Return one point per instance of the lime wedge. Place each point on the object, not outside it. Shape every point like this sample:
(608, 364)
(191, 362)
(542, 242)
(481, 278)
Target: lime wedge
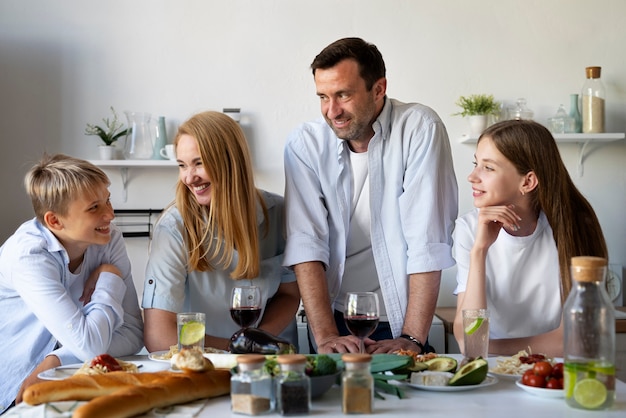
(471, 328)
(191, 333)
(590, 393)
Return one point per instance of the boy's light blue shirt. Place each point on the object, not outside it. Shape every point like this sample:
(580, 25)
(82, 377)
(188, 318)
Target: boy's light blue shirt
(40, 310)
(413, 200)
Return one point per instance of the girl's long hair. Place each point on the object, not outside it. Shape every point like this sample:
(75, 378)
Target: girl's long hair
(229, 223)
(575, 226)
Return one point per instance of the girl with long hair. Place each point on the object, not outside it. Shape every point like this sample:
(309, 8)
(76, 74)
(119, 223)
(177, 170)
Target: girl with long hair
(513, 250)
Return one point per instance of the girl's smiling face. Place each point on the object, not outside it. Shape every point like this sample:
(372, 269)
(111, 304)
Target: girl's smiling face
(495, 180)
(192, 172)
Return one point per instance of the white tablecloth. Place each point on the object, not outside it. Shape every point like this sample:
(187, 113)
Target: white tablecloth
(504, 399)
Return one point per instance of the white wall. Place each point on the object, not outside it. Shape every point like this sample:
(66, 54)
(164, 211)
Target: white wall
(63, 63)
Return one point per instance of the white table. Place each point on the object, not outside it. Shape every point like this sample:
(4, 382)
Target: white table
(504, 399)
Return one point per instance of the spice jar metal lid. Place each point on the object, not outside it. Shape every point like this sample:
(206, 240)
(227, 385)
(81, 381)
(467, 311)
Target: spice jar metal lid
(593, 72)
(588, 269)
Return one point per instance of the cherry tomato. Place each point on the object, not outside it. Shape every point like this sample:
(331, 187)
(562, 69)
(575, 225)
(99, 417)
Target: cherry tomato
(537, 381)
(526, 376)
(542, 368)
(554, 383)
(557, 370)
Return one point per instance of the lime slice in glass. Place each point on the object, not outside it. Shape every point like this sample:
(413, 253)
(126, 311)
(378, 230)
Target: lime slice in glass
(191, 333)
(471, 328)
(590, 393)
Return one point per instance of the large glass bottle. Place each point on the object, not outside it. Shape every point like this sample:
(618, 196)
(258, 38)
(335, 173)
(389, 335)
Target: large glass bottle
(589, 337)
(592, 99)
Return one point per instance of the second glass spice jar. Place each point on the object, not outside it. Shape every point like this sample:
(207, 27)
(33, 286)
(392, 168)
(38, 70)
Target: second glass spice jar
(293, 386)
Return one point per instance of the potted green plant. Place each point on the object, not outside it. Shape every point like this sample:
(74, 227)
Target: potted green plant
(112, 131)
(477, 107)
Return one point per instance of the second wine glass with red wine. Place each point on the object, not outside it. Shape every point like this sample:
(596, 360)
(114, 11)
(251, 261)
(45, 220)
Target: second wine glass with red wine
(361, 315)
(245, 305)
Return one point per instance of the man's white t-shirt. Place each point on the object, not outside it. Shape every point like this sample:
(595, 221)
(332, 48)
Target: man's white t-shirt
(360, 272)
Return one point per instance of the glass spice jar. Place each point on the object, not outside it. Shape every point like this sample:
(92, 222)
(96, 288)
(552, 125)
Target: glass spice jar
(357, 384)
(293, 386)
(251, 389)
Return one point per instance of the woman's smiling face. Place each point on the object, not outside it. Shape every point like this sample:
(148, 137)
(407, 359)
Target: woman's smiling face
(495, 180)
(192, 172)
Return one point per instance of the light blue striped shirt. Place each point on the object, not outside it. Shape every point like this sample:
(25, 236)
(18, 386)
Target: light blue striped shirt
(413, 199)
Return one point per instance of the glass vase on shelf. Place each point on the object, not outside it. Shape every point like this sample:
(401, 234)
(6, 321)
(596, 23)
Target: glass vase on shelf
(139, 143)
(575, 113)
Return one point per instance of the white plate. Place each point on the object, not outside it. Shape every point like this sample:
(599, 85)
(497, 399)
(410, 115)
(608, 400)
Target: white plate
(154, 356)
(489, 380)
(544, 393)
(506, 376)
(63, 372)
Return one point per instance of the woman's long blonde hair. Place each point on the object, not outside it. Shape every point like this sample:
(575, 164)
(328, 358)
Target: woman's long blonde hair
(575, 226)
(229, 223)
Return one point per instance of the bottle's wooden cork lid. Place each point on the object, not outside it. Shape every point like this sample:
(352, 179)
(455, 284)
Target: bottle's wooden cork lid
(588, 269)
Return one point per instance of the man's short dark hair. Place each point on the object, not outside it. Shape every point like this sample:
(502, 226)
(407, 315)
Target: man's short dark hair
(367, 56)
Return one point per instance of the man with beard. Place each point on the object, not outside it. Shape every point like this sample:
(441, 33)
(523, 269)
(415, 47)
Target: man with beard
(371, 200)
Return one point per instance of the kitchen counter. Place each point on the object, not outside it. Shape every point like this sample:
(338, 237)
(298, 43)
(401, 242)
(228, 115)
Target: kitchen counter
(503, 398)
(446, 314)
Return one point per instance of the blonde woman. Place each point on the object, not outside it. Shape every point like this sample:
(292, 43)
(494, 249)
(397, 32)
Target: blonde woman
(220, 231)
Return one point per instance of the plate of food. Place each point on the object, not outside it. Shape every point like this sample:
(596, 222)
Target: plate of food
(166, 355)
(512, 368)
(543, 392)
(489, 381)
(99, 365)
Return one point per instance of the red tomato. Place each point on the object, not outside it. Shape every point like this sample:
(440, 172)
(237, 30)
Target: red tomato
(542, 368)
(537, 381)
(554, 384)
(526, 376)
(105, 360)
(557, 371)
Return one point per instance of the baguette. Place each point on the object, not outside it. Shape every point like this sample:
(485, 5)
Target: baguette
(86, 387)
(175, 389)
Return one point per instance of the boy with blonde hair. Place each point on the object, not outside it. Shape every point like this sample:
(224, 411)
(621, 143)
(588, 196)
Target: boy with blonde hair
(66, 290)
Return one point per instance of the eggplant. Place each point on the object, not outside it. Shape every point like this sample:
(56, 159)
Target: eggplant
(255, 340)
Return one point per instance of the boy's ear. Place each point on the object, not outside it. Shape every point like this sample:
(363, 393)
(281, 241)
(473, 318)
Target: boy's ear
(52, 221)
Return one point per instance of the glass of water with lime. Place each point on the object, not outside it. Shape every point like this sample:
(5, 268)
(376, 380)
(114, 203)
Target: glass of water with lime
(476, 333)
(191, 330)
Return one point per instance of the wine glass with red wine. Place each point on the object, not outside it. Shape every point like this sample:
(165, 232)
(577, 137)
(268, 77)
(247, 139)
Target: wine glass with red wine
(361, 315)
(245, 305)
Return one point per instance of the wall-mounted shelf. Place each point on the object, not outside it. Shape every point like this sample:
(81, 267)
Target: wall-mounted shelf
(575, 138)
(583, 140)
(134, 163)
(124, 165)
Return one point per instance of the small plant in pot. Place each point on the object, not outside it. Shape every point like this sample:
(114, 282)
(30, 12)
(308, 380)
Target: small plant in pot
(112, 131)
(477, 107)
